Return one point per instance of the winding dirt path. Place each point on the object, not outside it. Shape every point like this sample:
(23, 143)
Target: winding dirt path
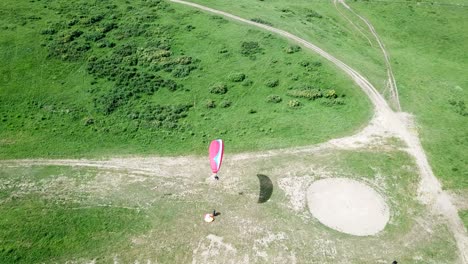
(385, 123)
(391, 77)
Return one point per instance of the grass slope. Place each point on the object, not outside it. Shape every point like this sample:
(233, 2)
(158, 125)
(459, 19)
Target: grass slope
(82, 79)
(427, 49)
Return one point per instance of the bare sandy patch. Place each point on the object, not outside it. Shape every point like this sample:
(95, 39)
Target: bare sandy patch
(348, 206)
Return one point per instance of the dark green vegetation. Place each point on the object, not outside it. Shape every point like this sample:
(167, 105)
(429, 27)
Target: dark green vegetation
(427, 47)
(100, 78)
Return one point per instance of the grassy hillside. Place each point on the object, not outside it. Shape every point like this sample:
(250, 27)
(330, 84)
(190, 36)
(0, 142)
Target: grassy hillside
(427, 48)
(107, 78)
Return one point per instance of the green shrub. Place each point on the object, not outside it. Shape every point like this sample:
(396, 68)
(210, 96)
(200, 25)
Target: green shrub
(261, 21)
(210, 103)
(236, 77)
(71, 35)
(182, 71)
(218, 88)
(49, 31)
(331, 94)
(292, 49)
(274, 99)
(94, 36)
(249, 48)
(272, 83)
(311, 94)
(294, 103)
(312, 14)
(225, 104)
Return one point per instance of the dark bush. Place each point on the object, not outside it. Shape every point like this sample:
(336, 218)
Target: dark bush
(311, 94)
(210, 103)
(49, 31)
(108, 27)
(94, 36)
(225, 104)
(181, 71)
(71, 35)
(274, 99)
(218, 88)
(261, 21)
(93, 19)
(292, 49)
(312, 14)
(249, 48)
(304, 63)
(236, 77)
(272, 83)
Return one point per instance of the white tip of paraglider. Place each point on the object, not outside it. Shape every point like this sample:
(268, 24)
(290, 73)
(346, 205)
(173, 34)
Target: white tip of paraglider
(209, 218)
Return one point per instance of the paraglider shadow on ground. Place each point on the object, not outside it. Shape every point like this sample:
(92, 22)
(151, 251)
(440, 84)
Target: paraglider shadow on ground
(266, 188)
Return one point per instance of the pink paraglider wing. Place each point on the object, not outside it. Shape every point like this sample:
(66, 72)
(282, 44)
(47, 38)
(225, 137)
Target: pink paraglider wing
(216, 154)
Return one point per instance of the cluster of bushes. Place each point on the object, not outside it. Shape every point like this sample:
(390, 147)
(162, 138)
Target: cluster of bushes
(328, 97)
(310, 66)
(274, 99)
(210, 103)
(132, 30)
(459, 107)
(160, 116)
(292, 49)
(311, 14)
(158, 57)
(272, 83)
(218, 88)
(313, 94)
(236, 77)
(250, 48)
(70, 40)
(68, 51)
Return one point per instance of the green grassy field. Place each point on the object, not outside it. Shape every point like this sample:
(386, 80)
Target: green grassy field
(114, 78)
(102, 79)
(426, 45)
(84, 214)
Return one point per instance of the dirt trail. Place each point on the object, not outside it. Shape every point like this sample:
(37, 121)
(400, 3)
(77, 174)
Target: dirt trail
(391, 78)
(385, 123)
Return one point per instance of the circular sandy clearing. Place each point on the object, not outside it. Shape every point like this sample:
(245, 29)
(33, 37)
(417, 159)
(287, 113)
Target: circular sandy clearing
(348, 206)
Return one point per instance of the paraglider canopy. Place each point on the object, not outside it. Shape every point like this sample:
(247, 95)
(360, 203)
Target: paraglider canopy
(216, 154)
